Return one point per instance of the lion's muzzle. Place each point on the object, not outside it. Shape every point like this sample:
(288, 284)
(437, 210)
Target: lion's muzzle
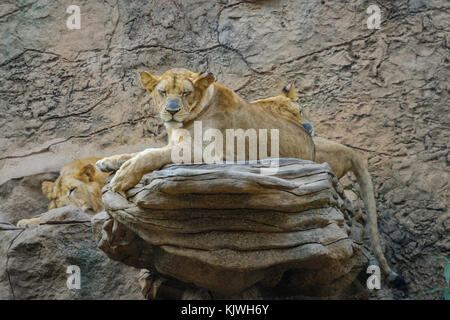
(173, 107)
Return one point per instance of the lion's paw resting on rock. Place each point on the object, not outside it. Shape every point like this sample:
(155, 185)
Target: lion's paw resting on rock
(28, 223)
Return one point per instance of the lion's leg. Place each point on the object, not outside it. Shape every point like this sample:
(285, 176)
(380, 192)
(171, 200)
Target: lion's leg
(113, 163)
(28, 223)
(131, 172)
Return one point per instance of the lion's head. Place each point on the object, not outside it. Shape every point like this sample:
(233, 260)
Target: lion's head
(81, 188)
(177, 94)
(284, 104)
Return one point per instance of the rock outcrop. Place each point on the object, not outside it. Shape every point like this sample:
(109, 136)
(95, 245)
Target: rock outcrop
(22, 198)
(34, 261)
(227, 229)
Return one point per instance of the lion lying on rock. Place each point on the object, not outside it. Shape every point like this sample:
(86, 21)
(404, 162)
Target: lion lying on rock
(79, 184)
(182, 96)
(342, 159)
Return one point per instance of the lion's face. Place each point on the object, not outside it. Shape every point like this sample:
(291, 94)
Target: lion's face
(177, 94)
(80, 189)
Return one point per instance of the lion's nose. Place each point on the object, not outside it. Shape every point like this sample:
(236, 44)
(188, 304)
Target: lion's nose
(172, 107)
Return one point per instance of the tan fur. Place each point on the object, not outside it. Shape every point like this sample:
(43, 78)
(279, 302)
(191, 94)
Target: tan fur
(283, 104)
(79, 184)
(341, 159)
(201, 99)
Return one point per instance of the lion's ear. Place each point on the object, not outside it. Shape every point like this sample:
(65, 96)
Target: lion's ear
(289, 91)
(204, 80)
(47, 189)
(148, 81)
(87, 173)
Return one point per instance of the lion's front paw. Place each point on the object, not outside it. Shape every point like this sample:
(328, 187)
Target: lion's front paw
(28, 223)
(109, 164)
(127, 176)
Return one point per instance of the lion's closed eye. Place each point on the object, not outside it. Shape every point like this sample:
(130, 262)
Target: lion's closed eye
(72, 190)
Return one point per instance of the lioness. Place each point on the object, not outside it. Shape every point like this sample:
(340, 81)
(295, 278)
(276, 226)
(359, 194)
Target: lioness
(79, 183)
(341, 159)
(183, 96)
(284, 104)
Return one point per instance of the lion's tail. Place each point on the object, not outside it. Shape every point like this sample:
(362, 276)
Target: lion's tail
(367, 194)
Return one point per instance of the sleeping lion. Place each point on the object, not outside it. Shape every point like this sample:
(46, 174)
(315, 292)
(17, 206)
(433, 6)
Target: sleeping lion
(79, 183)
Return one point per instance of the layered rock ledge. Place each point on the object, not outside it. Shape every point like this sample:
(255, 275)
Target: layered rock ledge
(227, 230)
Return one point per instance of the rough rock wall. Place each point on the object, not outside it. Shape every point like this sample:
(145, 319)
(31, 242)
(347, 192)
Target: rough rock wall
(21, 198)
(34, 261)
(67, 94)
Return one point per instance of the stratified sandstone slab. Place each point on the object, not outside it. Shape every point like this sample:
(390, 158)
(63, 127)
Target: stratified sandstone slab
(226, 228)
